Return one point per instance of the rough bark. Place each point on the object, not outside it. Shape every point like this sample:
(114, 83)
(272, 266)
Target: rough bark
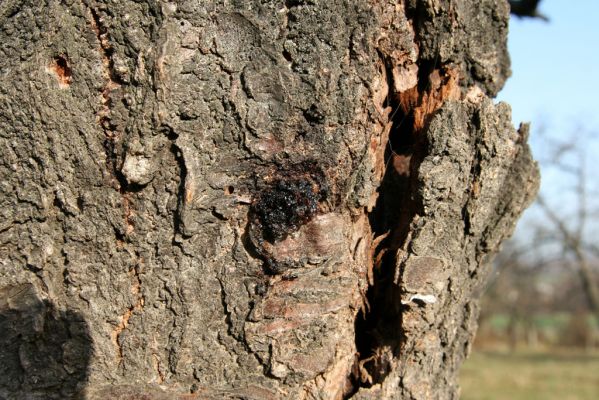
(250, 199)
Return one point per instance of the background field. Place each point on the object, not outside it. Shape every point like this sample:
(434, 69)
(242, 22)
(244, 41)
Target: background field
(564, 374)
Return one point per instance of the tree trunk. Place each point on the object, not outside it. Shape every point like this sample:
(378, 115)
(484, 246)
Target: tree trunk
(250, 199)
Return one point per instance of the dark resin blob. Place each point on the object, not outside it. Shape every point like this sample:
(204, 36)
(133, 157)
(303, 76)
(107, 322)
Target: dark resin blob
(285, 206)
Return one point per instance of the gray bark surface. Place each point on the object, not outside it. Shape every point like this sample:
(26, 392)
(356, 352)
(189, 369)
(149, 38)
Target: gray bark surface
(250, 199)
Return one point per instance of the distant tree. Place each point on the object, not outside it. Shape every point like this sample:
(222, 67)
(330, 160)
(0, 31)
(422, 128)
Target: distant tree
(569, 222)
(558, 240)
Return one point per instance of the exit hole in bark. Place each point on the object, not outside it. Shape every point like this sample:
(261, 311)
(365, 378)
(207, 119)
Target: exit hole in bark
(61, 67)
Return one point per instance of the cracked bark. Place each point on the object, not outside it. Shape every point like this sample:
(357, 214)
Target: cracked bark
(250, 199)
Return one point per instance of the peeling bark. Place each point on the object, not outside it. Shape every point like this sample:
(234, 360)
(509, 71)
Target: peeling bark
(252, 199)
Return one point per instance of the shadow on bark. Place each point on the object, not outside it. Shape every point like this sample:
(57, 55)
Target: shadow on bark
(44, 352)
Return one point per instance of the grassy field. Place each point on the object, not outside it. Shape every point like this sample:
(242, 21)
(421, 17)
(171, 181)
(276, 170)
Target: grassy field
(531, 375)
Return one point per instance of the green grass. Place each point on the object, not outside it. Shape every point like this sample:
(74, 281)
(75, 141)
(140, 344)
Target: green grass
(553, 321)
(531, 375)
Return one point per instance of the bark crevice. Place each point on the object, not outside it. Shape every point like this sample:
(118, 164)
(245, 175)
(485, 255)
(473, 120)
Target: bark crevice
(112, 83)
(378, 331)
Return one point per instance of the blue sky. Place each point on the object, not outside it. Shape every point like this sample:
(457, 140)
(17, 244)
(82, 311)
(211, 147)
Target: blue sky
(554, 85)
(554, 65)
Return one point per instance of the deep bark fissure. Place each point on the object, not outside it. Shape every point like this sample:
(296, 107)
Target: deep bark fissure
(136, 291)
(111, 137)
(378, 331)
(112, 83)
(177, 218)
